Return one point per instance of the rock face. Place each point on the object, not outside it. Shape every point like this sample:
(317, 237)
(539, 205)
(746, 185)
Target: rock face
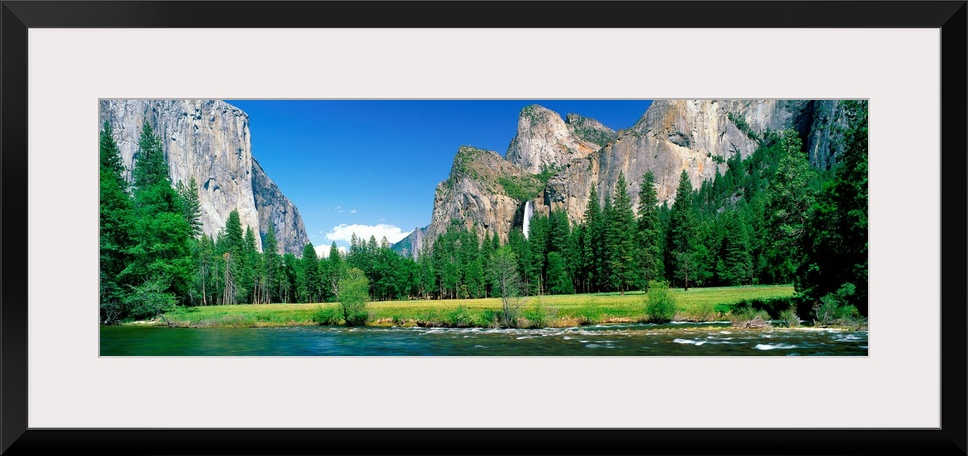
(486, 193)
(544, 140)
(410, 245)
(697, 136)
(275, 208)
(476, 194)
(210, 141)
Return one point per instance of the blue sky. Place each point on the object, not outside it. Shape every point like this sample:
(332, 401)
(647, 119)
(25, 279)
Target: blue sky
(371, 166)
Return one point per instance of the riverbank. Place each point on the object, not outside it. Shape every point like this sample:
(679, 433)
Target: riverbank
(695, 305)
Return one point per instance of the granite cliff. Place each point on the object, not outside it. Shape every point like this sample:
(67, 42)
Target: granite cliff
(554, 162)
(210, 141)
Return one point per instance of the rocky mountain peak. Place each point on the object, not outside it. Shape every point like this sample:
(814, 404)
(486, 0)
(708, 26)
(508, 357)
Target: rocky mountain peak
(544, 140)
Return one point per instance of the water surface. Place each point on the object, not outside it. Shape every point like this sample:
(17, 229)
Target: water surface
(686, 339)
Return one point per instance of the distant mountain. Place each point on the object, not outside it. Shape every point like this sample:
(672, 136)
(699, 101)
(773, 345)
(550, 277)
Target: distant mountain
(406, 245)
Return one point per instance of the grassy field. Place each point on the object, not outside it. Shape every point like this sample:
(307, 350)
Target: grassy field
(697, 304)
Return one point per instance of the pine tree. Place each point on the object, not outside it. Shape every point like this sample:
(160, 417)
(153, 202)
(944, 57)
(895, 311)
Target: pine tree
(791, 196)
(115, 227)
(288, 278)
(603, 252)
(207, 270)
(649, 232)
(233, 233)
(191, 208)
(162, 251)
(150, 166)
(734, 257)
(835, 241)
(308, 275)
(252, 282)
(487, 254)
(558, 281)
(473, 268)
(591, 247)
(336, 271)
(534, 260)
(621, 239)
(231, 250)
(683, 254)
(270, 264)
(575, 261)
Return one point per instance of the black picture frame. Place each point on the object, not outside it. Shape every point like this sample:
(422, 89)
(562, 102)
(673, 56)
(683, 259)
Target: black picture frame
(17, 17)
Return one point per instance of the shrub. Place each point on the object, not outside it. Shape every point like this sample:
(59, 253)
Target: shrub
(490, 318)
(724, 309)
(150, 300)
(536, 316)
(328, 316)
(772, 306)
(748, 317)
(834, 309)
(704, 312)
(790, 317)
(354, 291)
(430, 319)
(460, 317)
(660, 303)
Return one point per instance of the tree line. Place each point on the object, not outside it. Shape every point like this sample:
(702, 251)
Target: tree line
(770, 218)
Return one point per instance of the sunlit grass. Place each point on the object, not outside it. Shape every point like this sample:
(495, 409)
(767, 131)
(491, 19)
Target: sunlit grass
(554, 310)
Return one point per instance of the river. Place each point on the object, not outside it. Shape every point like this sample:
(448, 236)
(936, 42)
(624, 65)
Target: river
(685, 339)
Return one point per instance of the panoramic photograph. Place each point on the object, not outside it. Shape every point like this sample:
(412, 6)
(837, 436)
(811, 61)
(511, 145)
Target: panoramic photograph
(557, 227)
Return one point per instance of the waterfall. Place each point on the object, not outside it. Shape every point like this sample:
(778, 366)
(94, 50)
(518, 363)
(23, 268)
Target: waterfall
(528, 213)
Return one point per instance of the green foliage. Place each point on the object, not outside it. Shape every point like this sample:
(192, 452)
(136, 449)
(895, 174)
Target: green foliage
(557, 276)
(537, 316)
(521, 188)
(271, 263)
(150, 299)
(790, 317)
(622, 249)
(115, 228)
(748, 317)
(161, 236)
(191, 207)
(308, 276)
(734, 266)
(685, 253)
(460, 317)
(742, 126)
(835, 239)
(328, 315)
(354, 291)
(151, 168)
(660, 303)
(547, 171)
(791, 194)
(835, 309)
(507, 285)
(649, 233)
(772, 306)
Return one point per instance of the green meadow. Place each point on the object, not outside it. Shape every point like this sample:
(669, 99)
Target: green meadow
(697, 304)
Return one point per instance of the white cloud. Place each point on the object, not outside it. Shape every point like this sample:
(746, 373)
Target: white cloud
(352, 211)
(322, 251)
(345, 232)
